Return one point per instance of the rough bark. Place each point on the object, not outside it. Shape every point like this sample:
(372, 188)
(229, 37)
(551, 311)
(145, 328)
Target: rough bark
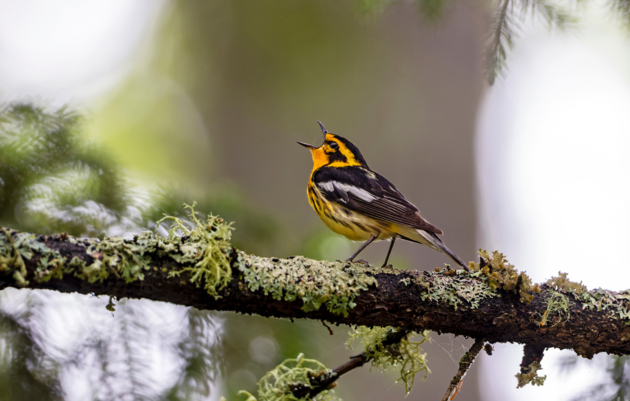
(392, 303)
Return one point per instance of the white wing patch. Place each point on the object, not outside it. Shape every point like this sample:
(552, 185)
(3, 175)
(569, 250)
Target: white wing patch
(360, 193)
(328, 185)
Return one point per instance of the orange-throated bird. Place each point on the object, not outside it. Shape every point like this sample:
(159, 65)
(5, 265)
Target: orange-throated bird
(362, 205)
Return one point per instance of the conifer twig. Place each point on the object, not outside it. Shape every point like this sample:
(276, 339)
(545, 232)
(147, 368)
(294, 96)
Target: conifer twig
(464, 365)
(496, 50)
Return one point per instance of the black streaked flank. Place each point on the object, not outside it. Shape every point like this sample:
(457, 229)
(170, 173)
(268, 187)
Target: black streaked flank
(389, 204)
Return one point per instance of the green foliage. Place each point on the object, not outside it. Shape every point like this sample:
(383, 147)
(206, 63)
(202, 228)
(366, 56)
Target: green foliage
(53, 180)
(316, 283)
(199, 349)
(27, 372)
(432, 10)
(506, 19)
(375, 7)
(507, 16)
(405, 356)
(278, 383)
(50, 180)
(531, 376)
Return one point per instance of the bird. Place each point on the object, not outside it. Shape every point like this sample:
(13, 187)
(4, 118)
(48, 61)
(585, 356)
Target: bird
(355, 201)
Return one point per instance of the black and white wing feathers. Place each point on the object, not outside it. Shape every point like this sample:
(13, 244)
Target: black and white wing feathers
(370, 194)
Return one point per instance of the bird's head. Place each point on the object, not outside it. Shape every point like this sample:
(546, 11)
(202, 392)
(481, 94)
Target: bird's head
(336, 151)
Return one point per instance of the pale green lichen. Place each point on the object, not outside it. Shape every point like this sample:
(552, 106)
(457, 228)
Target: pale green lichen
(207, 245)
(531, 376)
(203, 249)
(461, 288)
(456, 287)
(562, 283)
(405, 356)
(13, 250)
(498, 273)
(617, 304)
(11, 259)
(278, 384)
(558, 309)
(125, 258)
(406, 281)
(316, 283)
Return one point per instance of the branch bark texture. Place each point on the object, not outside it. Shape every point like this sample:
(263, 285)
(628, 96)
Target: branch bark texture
(406, 300)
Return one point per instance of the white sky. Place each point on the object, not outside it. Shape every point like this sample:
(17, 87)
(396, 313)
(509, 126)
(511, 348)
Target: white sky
(552, 147)
(70, 50)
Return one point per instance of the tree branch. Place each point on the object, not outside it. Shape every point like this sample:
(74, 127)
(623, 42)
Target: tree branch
(327, 381)
(464, 365)
(408, 300)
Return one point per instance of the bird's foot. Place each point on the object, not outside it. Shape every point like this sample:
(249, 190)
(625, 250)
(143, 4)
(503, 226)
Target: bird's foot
(363, 262)
(389, 266)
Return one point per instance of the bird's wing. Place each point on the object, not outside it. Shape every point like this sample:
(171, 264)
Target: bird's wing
(368, 193)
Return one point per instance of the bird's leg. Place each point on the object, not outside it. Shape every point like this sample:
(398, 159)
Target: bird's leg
(391, 246)
(368, 242)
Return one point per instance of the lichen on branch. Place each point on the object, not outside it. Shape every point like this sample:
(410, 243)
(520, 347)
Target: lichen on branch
(280, 383)
(558, 309)
(316, 283)
(494, 301)
(502, 275)
(11, 252)
(530, 376)
(404, 356)
(203, 250)
(205, 246)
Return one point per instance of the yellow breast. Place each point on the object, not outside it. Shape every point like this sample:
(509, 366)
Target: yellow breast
(354, 226)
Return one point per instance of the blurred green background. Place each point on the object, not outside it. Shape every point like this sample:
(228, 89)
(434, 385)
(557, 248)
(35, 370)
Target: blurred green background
(208, 107)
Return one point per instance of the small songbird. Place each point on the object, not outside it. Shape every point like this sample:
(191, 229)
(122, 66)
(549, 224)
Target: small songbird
(362, 205)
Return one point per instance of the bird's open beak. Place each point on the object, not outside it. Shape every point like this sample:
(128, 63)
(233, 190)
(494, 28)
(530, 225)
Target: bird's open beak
(324, 132)
(306, 145)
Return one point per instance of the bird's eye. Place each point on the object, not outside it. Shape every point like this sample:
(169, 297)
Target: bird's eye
(333, 145)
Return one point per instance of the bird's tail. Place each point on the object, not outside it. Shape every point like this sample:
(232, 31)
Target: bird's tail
(444, 249)
(433, 241)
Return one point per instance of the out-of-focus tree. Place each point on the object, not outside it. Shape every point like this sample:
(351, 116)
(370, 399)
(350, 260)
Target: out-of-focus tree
(52, 181)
